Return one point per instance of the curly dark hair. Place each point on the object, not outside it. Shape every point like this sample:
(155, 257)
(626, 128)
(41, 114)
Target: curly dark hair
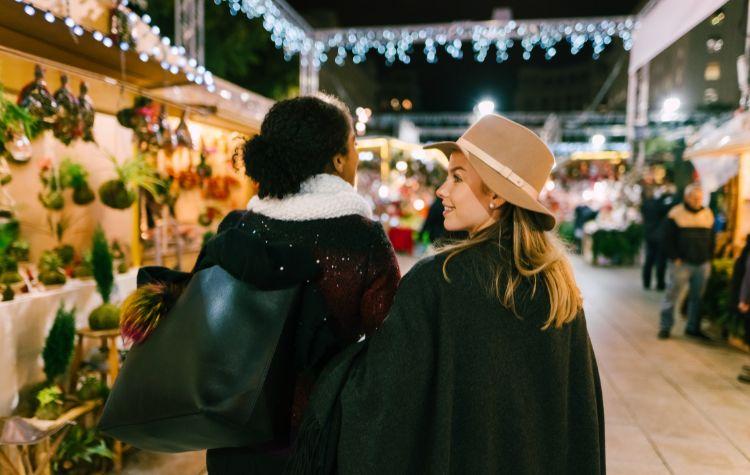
(298, 139)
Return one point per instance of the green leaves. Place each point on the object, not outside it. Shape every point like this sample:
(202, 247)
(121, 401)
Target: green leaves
(58, 348)
(101, 261)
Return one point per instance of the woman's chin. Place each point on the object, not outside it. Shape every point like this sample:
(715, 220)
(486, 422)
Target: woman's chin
(452, 227)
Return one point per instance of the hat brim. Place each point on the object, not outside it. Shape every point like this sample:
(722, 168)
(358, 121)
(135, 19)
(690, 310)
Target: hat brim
(500, 185)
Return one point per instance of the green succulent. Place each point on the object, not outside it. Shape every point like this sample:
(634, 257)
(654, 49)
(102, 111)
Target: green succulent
(10, 277)
(66, 253)
(50, 403)
(52, 200)
(105, 317)
(8, 294)
(52, 277)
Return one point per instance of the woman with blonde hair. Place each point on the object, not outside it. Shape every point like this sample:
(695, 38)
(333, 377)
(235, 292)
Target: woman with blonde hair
(484, 363)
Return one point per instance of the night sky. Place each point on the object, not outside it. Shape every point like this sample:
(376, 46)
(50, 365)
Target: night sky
(455, 85)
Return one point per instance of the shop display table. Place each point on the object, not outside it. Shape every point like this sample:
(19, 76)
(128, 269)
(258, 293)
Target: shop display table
(25, 321)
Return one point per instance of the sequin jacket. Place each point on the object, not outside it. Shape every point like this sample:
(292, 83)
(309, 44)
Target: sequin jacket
(358, 278)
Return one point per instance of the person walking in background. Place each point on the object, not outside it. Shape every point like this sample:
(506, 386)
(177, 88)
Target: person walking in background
(739, 301)
(689, 246)
(653, 210)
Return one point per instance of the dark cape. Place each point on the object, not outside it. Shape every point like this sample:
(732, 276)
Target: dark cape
(454, 382)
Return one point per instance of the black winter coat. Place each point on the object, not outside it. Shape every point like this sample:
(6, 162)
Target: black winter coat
(455, 383)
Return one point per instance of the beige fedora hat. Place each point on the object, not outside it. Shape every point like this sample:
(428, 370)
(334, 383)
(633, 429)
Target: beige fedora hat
(511, 159)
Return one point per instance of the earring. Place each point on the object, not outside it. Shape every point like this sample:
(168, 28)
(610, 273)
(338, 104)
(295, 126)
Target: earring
(492, 205)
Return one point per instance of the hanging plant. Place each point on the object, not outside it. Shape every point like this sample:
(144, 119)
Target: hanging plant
(36, 98)
(58, 347)
(143, 118)
(74, 175)
(67, 126)
(86, 113)
(182, 133)
(168, 137)
(17, 128)
(132, 174)
(51, 195)
(107, 315)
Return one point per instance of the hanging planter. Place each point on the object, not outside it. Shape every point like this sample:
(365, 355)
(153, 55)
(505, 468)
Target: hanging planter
(143, 118)
(17, 128)
(36, 98)
(74, 175)
(67, 126)
(182, 134)
(134, 173)
(86, 114)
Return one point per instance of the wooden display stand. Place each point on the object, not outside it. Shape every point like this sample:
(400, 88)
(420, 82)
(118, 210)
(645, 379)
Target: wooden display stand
(17, 458)
(108, 340)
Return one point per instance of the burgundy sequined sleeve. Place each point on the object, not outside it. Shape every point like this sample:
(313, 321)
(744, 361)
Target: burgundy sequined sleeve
(381, 280)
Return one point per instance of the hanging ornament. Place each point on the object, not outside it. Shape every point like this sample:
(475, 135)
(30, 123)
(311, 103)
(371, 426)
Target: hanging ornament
(120, 30)
(86, 114)
(182, 132)
(37, 99)
(168, 138)
(68, 125)
(203, 169)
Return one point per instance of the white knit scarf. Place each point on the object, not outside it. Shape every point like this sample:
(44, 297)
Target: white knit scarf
(320, 197)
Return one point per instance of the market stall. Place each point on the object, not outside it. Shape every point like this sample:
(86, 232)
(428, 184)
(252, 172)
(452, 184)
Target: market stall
(117, 151)
(400, 180)
(596, 206)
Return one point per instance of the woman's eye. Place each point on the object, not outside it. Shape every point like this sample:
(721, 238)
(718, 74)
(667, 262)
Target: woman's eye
(456, 179)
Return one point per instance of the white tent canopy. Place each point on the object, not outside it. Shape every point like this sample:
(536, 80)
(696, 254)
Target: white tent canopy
(664, 23)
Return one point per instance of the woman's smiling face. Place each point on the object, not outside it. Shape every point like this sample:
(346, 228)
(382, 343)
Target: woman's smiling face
(469, 204)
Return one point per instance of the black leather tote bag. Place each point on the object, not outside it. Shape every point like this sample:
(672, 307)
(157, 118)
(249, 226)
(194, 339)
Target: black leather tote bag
(196, 381)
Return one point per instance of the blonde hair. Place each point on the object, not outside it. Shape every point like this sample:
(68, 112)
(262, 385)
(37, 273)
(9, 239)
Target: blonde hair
(537, 256)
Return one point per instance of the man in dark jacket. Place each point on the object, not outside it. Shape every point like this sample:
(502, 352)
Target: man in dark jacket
(654, 211)
(689, 246)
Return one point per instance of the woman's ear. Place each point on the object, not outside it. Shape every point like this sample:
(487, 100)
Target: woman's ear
(339, 161)
(497, 201)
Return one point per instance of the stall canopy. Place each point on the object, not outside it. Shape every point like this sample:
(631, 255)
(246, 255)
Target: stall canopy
(664, 22)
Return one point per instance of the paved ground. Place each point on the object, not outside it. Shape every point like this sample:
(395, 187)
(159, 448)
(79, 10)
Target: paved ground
(672, 407)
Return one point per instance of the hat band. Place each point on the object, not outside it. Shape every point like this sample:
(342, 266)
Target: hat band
(508, 173)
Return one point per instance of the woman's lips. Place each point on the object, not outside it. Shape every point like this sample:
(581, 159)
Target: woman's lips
(448, 209)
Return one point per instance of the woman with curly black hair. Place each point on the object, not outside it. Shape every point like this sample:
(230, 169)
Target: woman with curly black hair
(304, 161)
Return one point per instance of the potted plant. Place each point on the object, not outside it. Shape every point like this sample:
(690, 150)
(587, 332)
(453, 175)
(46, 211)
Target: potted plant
(134, 173)
(58, 347)
(50, 269)
(51, 404)
(107, 315)
(82, 451)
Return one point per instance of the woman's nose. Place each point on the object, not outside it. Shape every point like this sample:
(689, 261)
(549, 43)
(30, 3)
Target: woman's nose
(441, 192)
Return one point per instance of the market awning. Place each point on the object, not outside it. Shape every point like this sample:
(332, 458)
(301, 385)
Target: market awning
(55, 41)
(730, 138)
(663, 24)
